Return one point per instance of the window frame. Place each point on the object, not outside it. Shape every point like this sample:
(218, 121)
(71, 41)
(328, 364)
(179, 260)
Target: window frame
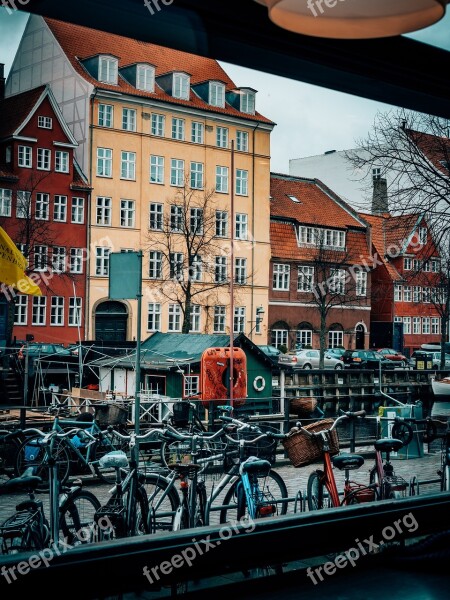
(156, 216)
(62, 161)
(281, 277)
(5, 202)
(57, 311)
(128, 165)
(127, 208)
(105, 116)
(153, 316)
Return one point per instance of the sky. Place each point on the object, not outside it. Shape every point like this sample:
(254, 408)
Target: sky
(310, 120)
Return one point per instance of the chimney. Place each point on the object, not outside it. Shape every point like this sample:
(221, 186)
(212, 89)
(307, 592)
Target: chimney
(2, 81)
(380, 202)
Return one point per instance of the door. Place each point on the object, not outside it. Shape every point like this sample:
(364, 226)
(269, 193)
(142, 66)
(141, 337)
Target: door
(111, 322)
(360, 337)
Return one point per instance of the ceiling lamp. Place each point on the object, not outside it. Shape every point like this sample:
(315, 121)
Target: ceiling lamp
(354, 19)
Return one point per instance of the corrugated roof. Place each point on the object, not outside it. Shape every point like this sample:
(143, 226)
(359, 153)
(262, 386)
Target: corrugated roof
(181, 346)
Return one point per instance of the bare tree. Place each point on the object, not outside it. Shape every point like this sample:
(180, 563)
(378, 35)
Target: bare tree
(195, 260)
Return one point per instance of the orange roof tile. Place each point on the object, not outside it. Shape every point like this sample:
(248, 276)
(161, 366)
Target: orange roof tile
(80, 43)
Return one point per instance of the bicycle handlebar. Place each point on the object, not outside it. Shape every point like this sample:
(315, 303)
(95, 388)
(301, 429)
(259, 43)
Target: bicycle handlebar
(344, 415)
(52, 434)
(170, 431)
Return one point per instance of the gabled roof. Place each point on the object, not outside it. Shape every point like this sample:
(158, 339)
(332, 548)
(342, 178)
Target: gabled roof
(436, 149)
(16, 111)
(79, 43)
(318, 205)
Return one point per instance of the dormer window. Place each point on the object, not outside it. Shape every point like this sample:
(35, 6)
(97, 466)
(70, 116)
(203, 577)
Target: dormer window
(248, 101)
(180, 87)
(145, 78)
(107, 69)
(216, 94)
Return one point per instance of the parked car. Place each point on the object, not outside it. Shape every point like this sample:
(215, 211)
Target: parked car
(393, 355)
(435, 358)
(336, 352)
(366, 359)
(309, 359)
(271, 352)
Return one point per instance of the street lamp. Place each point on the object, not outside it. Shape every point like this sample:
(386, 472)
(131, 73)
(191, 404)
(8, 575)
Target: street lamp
(259, 317)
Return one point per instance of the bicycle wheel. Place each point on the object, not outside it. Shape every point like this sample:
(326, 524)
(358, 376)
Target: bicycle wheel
(374, 479)
(402, 431)
(138, 522)
(32, 453)
(271, 487)
(8, 452)
(163, 501)
(77, 517)
(317, 494)
(445, 479)
(414, 486)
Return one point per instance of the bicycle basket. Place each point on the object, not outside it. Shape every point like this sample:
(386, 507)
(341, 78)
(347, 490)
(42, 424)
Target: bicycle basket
(303, 450)
(182, 414)
(13, 530)
(265, 448)
(110, 414)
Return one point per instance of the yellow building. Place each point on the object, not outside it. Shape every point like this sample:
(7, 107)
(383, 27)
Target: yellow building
(170, 144)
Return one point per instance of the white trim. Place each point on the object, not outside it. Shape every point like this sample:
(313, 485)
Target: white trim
(363, 324)
(63, 145)
(23, 138)
(307, 305)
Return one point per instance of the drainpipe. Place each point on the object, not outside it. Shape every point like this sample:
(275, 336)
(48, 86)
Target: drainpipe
(252, 300)
(89, 236)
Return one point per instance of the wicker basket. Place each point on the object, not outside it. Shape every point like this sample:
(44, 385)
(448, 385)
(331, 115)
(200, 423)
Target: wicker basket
(304, 450)
(110, 414)
(305, 405)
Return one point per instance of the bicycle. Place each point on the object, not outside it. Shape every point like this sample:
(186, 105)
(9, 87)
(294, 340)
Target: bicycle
(9, 446)
(386, 483)
(72, 509)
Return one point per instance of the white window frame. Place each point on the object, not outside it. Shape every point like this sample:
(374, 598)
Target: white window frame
(108, 69)
(279, 337)
(222, 137)
(127, 213)
(176, 218)
(174, 322)
(220, 269)
(25, 157)
(103, 211)
(128, 165)
(407, 293)
(281, 279)
(57, 311)
(104, 162)
(39, 311)
(76, 260)
(145, 78)
(44, 159)
(61, 161)
(196, 220)
(196, 315)
(305, 279)
(248, 102)
(423, 235)
(59, 258)
(407, 325)
(337, 281)
(157, 169)
(407, 264)
(21, 310)
(155, 264)
(240, 270)
(40, 257)
(77, 210)
(178, 129)
(216, 94)
(435, 326)
(45, 122)
(241, 226)
(180, 86)
(197, 174)
(221, 223)
(158, 125)
(197, 132)
(176, 265)
(177, 172)
(361, 283)
(191, 385)
(426, 325)
(335, 338)
(398, 292)
(220, 319)
(60, 209)
(156, 220)
(241, 182)
(23, 206)
(105, 115)
(42, 207)
(239, 319)
(5, 202)
(222, 178)
(304, 337)
(242, 141)
(416, 323)
(75, 311)
(154, 316)
(128, 119)
(102, 261)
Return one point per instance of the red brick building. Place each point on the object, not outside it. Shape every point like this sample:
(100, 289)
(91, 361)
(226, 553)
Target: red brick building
(44, 200)
(320, 253)
(406, 268)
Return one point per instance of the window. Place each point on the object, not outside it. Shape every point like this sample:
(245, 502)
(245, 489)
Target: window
(197, 132)
(43, 159)
(241, 182)
(22, 248)
(176, 218)
(129, 119)
(174, 318)
(8, 154)
(40, 258)
(25, 157)
(191, 385)
(376, 173)
(220, 315)
(21, 310)
(417, 294)
(177, 172)
(105, 115)
(154, 317)
(435, 326)
(427, 266)
(242, 141)
(248, 102)
(407, 293)
(222, 137)
(426, 294)
(158, 122)
(23, 208)
(78, 210)
(435, 265)
(196, 269)
(60, 208)
(304, 338)
(157, 169)
(398, 320)
(407, 325)
(195, 318)
(177, 129)
(45, 122)
(222, 180)
(220, 271)
(423, 235)
(281, 277)
(417, 264)
(76, 260)
(196, 221)
(416, 325)
(155, 265)
(216, 94)
(361, 283)
(145, 78)
(335, 339)
(5, 202)
(426, 325)
(57, 311)
(240, 270)
(59, 259)
(103, 211)
(337, 282)
(327, 238)
(221, 223)
(239, 319)
(181, 86)
(305, 279)
(75, 312)
(61, 161)
(197, 175)
(42, 207)
(127, 213)
(397, 292)
(102, 261)
(39, 310)
(176, 260)
(407, 264)
(279, 337)
(104, 162)
(156, 216)
(128, 165)
(241, 226)
(107, 69)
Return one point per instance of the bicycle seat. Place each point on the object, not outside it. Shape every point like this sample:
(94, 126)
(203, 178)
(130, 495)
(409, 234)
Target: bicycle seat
(27, 481)
(116, 459)
(184, 468)
(388, 445)
(256, 466)
(348, 461)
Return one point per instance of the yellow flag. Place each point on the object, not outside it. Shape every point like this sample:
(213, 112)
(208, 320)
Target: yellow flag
(12, 267)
